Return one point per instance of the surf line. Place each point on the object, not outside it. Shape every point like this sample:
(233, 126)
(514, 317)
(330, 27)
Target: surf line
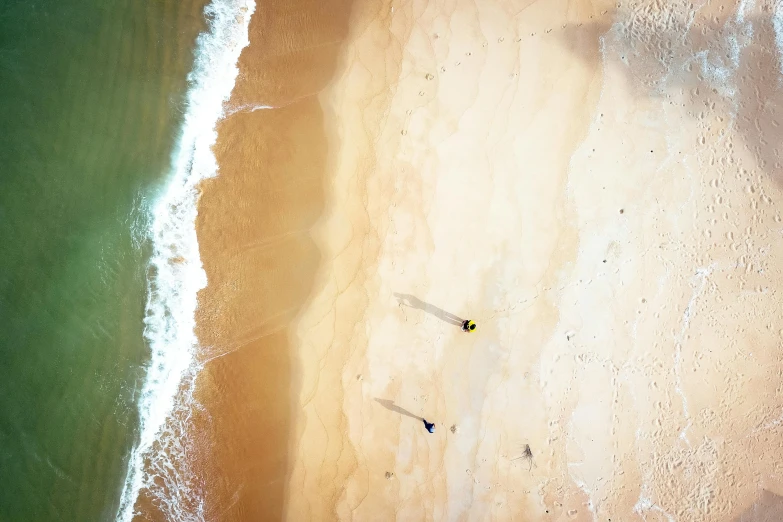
(175, 270)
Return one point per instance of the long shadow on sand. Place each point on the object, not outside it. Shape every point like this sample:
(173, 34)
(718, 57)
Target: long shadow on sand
(389, 405)
(414, 302)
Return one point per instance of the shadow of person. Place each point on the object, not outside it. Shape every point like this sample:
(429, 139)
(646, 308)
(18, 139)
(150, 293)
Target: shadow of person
(768, 507)
(414, 302)
(389, 405)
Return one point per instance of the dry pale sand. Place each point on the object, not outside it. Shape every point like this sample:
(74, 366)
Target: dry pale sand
(596, 184)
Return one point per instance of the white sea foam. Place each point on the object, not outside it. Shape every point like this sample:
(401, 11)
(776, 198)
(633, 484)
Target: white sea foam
(176, 274)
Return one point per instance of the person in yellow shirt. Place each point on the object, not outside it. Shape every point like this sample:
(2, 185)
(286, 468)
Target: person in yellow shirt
(468, 326)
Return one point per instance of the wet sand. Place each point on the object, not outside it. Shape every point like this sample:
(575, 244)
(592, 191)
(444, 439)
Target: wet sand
(253, 228)
(566, 174)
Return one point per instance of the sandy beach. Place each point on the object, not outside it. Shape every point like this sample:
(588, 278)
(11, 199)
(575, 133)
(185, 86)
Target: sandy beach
(596, 184)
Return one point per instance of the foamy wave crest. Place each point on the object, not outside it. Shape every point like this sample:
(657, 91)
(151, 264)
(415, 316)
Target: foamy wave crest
(176, 274)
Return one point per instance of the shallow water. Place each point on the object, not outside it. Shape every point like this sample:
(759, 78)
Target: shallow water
(91, 95)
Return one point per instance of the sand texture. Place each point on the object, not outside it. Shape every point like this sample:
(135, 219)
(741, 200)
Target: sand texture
(596, 184)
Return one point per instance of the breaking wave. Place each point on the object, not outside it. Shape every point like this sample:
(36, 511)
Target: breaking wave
(176, 275)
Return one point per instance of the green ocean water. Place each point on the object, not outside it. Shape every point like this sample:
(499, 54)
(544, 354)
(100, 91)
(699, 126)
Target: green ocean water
(91, 95)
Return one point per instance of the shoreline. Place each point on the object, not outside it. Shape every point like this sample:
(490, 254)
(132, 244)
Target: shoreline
(253, 226)
(508, 164)
(175, 275)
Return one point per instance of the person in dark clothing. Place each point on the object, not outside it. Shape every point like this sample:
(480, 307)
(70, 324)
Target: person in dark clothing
(468, 325)
(429, 425)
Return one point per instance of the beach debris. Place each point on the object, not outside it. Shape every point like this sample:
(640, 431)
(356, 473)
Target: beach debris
(389, 475)
(453, 428)
(570, 334)
(527, 454)
(429, 76)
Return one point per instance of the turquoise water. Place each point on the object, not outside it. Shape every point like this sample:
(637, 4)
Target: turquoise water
(91, 95)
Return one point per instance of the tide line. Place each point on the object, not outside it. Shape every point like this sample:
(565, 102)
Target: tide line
(176, 275)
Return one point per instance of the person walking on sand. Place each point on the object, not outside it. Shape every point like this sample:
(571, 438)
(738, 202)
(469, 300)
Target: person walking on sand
(468, 325)
(429, 425)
